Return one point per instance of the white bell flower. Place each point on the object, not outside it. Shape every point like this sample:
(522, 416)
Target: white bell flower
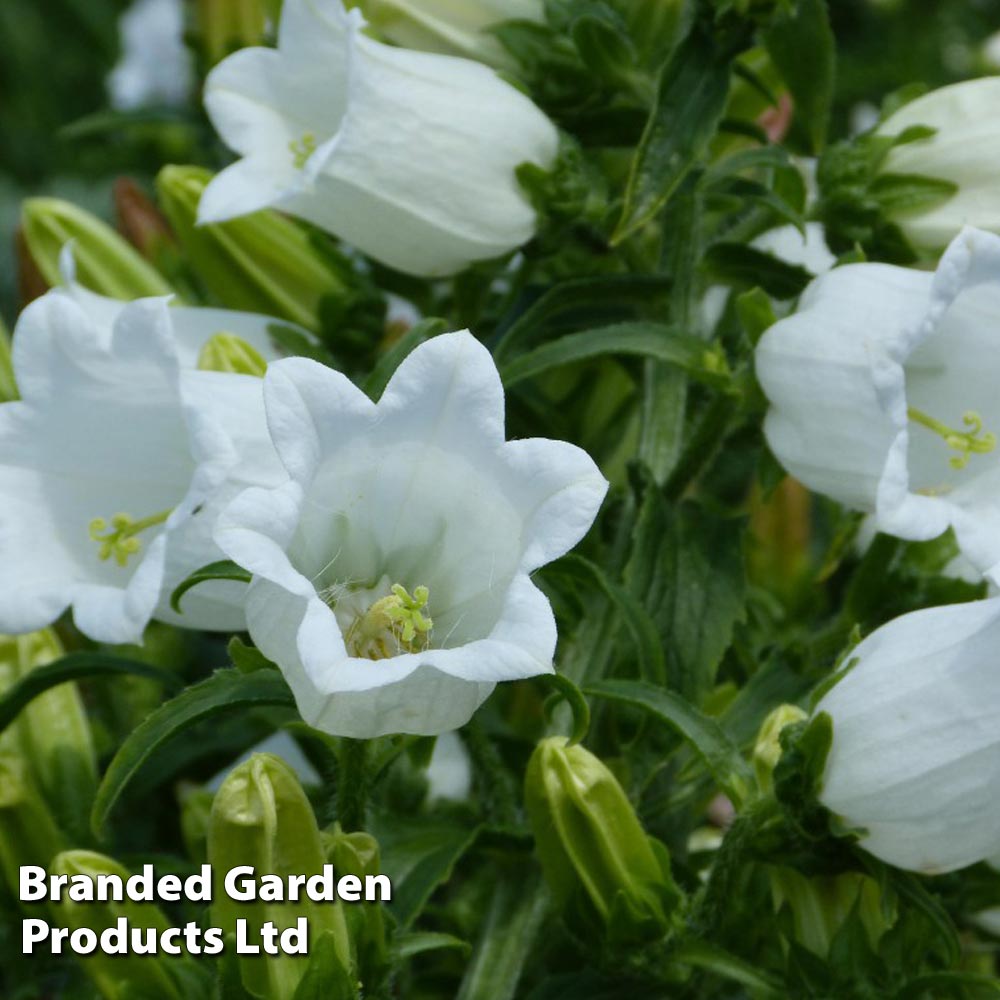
(232, 401)
(915, 759)
(964, 150)
(408, 156)
(451, 27)
(102, 463)
(883, 392)
(392, 571)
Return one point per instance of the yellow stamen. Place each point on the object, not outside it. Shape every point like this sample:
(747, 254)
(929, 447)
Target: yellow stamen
(964, 442)
(393, 624)
(302, 149)
(121, 542)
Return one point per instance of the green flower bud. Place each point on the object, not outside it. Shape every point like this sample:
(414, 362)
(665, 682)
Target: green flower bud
(28, 833)
(601, 866)
(105, 262)
(8, 387)
(223, 26)
(358, 854)
(261, 817)
(261, 263)
(52, 733)
(225, 352)
(767, 749)
(115, 976)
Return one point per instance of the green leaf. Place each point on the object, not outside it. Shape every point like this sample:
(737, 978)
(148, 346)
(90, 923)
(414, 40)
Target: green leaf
(801, 44)
(325, 977)
(739, 264)
(939, 984)
(651, 340)
(686, 569)
(755, 312)
(691, 97)
(224, 691)
(408, 945)
(580, 297)
(902, 193)
(246, 658)
(74, 667)
(648, 647)
(509, 932)
(705, 955)
(224, 569)
(375, 384)
(418, 857)
(719, 754)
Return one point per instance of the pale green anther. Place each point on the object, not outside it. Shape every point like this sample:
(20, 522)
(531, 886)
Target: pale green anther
(966, 443)
(394, 624)
(302, 149)
(225, 352)
(121, 542)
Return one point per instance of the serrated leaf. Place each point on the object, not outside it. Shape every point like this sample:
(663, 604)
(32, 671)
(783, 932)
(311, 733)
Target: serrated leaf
(223, 569)
(74, 667)
(648, 647)
(691, 96)
(719, 754)
(224, 691)
(651, 340)
(686, 569)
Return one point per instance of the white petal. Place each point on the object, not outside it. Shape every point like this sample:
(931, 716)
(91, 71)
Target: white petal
(916, 753)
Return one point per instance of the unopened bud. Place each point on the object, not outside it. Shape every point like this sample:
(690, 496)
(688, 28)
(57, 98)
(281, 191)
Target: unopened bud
(262, 818)
(118, 976)
(52, 733)
(767, 749)
(603, 869)
(105, 262)
(262, 263)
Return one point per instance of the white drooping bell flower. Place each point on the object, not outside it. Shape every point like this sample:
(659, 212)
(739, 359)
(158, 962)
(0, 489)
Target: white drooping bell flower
(102, 463)
(915, 759)
(964, 150)
(409, 156)
(221, 355)
(391, 573)
(450, 27)
(883, 392)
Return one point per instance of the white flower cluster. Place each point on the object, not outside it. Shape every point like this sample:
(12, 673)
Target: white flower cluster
(883, 391)
(392, 543)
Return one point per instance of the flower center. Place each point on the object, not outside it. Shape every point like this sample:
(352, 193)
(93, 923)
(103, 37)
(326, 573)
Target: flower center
(121, 542)
(302, 149)
(964, 442)
(392, 625)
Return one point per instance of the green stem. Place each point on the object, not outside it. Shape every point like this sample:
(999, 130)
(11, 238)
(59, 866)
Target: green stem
(703, 445)
(353, 784)
(496, 787)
